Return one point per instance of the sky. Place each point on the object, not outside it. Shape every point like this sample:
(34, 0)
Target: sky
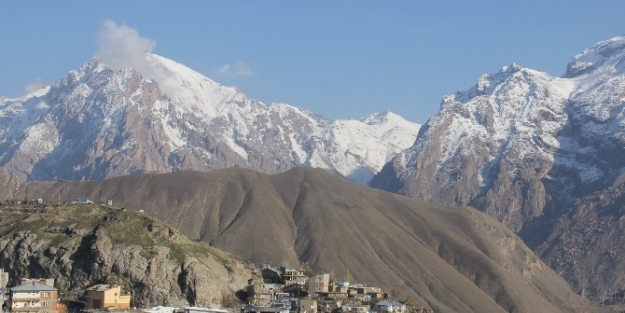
(340, 59)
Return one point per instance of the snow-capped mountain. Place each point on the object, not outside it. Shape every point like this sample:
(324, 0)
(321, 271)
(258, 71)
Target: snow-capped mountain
(99, 123)
(527, 148)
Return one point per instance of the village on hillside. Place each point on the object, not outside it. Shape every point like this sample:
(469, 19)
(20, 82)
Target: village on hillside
(281, 289)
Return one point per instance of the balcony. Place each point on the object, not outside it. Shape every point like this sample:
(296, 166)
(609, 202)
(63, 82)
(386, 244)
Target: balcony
(25, 298)
(25, 310)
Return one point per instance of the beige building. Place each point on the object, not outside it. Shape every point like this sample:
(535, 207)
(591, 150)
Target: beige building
(104, 296)
(319, 284)
(33, 297)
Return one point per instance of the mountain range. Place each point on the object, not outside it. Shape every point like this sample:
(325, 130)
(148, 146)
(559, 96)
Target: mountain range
(542, 154)
(98, 123)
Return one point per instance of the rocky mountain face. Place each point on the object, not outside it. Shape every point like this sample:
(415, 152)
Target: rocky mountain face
(81, 245)
(542, 154)
(98, 123)
(447, 258)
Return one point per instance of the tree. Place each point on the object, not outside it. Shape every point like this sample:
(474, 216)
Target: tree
(410, 301)
(394, 294)
(348, 276)
(308, 270)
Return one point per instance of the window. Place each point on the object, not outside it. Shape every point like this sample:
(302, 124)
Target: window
(45, 303)
(46, 294)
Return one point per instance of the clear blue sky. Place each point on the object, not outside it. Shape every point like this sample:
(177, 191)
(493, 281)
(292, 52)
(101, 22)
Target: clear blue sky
(341, 59)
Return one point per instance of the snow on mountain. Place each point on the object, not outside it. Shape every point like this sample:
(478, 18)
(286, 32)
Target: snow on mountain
(98, 123)
(358, 159)
(516, 112)
(526, 147)
(521, 124)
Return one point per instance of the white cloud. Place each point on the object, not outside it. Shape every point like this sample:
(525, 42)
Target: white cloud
(239, 69)
(120, 46)
(34, 86)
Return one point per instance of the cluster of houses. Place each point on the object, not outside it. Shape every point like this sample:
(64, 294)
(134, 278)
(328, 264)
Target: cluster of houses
(285, 289)
(40, 296)
(281, 290)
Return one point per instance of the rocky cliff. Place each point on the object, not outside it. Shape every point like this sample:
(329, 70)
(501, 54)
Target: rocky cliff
(81, 245)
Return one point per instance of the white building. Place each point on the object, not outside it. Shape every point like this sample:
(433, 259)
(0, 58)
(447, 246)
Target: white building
(192, 309)
(33, 297)
(264, 309)
(386, 306)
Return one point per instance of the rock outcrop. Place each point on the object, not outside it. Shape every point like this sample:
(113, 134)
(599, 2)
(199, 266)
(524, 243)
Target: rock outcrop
(81, 245)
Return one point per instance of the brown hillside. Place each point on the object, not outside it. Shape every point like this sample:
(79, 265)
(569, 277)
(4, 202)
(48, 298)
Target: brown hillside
(455, 260)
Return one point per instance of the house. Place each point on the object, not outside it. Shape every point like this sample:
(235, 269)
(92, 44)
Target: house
(264, 309)
(83, 199)
(339, 288)
(271, 288)
(360, 297)
(360, 289)
(308, 306)
(387, 306)
(329, 305)
(355, 308)
(291, 276)
(104, 296)
(33, 297)
(319, 284)
(192, 309)
(262, 293)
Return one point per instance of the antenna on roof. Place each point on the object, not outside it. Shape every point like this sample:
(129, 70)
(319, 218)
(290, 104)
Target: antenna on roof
(15, 184)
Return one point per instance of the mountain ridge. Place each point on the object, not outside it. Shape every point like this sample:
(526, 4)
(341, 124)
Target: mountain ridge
(453, 259)
(531, 150)
(99, 123)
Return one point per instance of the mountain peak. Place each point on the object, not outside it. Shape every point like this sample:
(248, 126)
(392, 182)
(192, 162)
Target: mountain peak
(537, 152)
(487, 84)
(159, 110)
(605, 55)
(376, 118)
